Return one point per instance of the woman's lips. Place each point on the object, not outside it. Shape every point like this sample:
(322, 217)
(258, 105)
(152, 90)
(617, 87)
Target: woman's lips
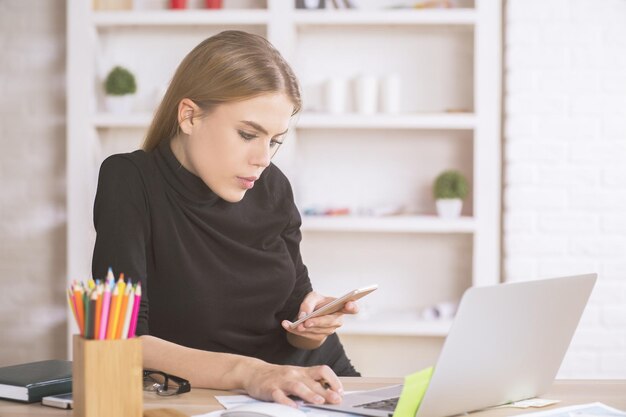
(246, 182)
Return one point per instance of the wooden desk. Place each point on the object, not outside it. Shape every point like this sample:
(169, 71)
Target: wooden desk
(198, 401)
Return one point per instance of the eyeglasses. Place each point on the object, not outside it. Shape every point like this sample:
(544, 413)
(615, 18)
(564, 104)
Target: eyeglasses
(164, 384)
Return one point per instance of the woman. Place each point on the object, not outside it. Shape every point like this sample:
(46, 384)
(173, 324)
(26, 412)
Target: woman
(209, 226)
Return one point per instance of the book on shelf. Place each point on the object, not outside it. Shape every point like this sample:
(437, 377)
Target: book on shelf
(29, 382)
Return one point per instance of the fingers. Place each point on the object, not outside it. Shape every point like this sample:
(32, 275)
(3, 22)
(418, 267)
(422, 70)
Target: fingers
(332, 321)
(310, 302)
(280, 397)
(320, 386)
(324, 373)
(316, 385)
(350, 307)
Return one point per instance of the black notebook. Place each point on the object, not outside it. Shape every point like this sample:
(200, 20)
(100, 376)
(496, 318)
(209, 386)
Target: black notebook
(29, 382)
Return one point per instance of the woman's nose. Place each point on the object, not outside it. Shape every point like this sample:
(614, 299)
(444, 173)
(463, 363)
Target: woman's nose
(262, 154)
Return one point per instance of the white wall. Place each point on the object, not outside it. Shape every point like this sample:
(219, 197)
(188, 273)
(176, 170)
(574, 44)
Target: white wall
(565, 162)
(32, 180)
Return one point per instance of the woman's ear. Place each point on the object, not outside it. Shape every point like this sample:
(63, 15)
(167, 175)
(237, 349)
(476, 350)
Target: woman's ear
(187, 110)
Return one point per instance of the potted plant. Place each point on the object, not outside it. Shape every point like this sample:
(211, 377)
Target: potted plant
(450, 188)
(120, 88)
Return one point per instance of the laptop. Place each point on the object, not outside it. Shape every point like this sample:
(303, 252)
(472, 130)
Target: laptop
(506, 344)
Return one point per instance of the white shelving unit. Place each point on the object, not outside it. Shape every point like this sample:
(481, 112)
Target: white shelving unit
(449, 63)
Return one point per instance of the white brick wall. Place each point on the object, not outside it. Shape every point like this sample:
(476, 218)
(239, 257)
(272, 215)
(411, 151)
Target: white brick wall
(564, 162)
(32, 180)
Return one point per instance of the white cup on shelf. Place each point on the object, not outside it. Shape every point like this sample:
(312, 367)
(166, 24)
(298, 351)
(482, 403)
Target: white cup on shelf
(336, 95)
(366, 94)
(390, 94)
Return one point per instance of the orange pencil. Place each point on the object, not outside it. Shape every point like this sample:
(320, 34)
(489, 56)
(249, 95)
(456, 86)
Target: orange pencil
(112, 312)
(98, 311)
(120, 287)
(80, 309)
(123, 308)
(70, 302)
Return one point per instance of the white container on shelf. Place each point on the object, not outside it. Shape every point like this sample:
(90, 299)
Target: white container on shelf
(390, 94)
(119, 104)
(336, 95)
(366, 94)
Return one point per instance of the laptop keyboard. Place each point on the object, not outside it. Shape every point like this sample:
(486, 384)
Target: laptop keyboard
(385, 405)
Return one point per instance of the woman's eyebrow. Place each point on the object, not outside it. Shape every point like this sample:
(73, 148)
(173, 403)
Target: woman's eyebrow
(259, 127)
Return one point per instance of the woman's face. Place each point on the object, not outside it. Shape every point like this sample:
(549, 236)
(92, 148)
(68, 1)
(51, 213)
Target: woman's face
(229, 147)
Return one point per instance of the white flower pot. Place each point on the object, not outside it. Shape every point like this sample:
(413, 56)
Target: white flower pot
(119, 104)
(449, 208)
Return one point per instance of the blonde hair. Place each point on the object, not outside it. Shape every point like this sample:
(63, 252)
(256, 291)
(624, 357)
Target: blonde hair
(230, 66)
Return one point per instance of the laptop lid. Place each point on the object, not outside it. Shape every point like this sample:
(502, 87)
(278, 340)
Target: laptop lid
(506, 344)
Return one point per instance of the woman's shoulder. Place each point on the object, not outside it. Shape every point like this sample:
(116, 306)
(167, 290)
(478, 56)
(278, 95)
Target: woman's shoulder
(132, 163)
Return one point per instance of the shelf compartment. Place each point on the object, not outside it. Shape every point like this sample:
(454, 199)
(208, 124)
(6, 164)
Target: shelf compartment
(180, 18)
(395, 325)
(388, 224)
(462, 121)
(385, 17)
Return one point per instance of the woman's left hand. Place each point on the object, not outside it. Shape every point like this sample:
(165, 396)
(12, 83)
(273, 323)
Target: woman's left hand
(317, 329)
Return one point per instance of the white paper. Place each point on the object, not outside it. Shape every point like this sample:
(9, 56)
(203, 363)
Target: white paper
(230, 401)
(583, 410)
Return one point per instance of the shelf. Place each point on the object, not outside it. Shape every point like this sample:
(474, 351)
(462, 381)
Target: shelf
(385, 17)
(402, 324)
(390, 224)
(462, 121)
(452, 121)
(180, 18)
(109, 120)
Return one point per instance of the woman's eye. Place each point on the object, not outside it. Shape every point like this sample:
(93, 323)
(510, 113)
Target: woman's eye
(246, 136)
(275, 143)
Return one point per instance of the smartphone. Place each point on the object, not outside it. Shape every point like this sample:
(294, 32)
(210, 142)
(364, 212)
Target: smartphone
(337, 304)
(59, 401)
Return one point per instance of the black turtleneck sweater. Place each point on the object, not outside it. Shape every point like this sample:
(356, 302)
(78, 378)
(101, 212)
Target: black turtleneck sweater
(215, 275)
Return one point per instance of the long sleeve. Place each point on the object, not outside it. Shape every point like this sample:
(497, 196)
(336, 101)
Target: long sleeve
(121, 220)
(293, 236)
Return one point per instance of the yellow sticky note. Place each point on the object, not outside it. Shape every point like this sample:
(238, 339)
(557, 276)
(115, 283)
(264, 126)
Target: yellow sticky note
(412, 393)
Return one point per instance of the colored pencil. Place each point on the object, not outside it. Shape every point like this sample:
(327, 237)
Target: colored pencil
(105, 309)
(70, 301)
(106, 302)
(88, 314)
(112, 312)
(91, 316)
(80, 310)
(133, 322)
(129, 312)
(99, 289)
(123, 308)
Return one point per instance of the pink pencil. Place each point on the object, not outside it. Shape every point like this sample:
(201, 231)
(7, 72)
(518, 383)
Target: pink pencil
(133, 320)
(104, 318)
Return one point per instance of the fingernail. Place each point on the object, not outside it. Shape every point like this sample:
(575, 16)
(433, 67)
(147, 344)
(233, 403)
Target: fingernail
(318, 400)
(335, 398)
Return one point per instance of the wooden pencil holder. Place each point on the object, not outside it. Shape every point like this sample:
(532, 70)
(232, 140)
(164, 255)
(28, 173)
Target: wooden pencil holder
(107, 378)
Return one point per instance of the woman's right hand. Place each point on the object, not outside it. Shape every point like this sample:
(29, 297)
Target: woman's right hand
(316, 384)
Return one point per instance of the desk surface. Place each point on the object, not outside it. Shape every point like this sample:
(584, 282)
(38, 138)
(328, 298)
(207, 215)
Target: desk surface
(198, 401)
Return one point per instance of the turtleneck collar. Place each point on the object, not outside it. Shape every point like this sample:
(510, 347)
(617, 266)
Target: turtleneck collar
(184, 182)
